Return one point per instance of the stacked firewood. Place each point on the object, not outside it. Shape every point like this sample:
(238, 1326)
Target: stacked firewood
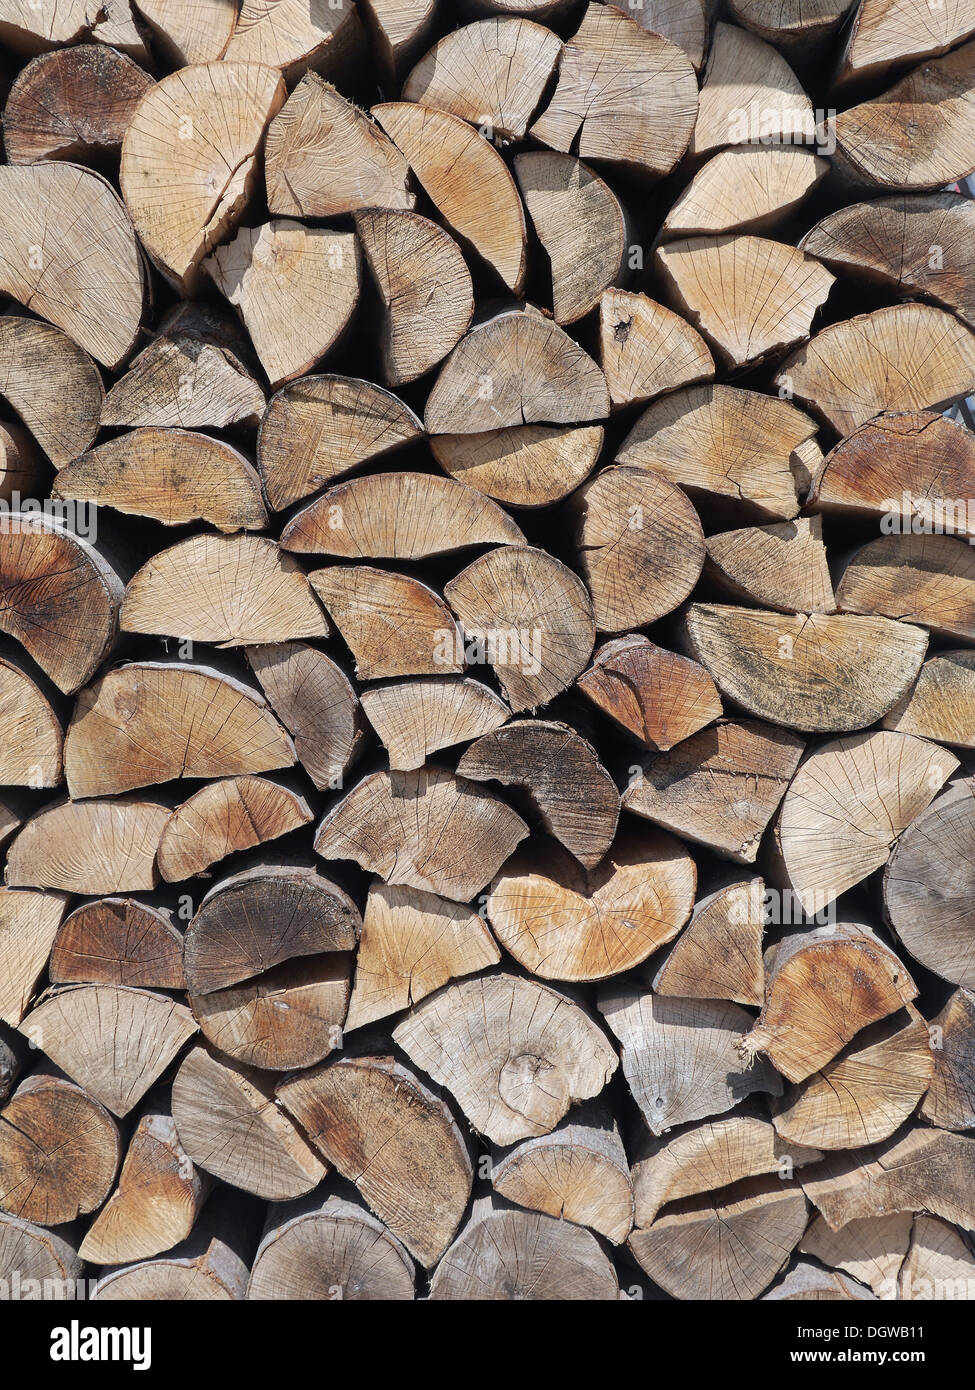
(488, 665)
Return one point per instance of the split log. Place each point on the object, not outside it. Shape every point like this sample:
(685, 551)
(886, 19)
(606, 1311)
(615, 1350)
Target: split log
(922, 1170)
(645, 349)
(720, 441)
(750, 297)
(749, 95)
(31, 751)
(33, 1260)
(915, 246)
(871, 1250)
(562, 923)
(516, 368)
(679, 1057)
(118, 941)
(826, 841)
(229, 1125)
(204, 1268)
(865, 1093)
(800, 1030)
(683, 22)
(189, 376)
(393, 624)
(224, 817)
(73, 103)
(793, 24)
(116, 27)
(293, 36)
(641, 546)
(262, 917)
(950, 1100)
(524, 465)
(424, 288)
(60, 597)
(40, 369)
(235, 591)
(198, 131)
(426, 829)
(34, 29)
(171, 475)
(578, 1173)
(89, 847)
(513, 1053)
(659, 697)
(149, 722)
(398, 516)
(581, 225)
(624, 94)
(395, 1139)
(781, 566)
(399, 30)
(939, 1264)
(529, 616)
(727, 1246)
(504, 1254)
(158, 1198)
(20, 463)
(416, 717)
(920, 134)
(329, 1250)
(29, 924)
(719, 788)
(746, 189)
(709, 1156)
(289, 1017)
(570, 790)
(467, 181)
(807, 1282)
(493, 74)
(314, 700)
(186, 34)
(718, 955)
(927, 886)
(412, 943)
(59, 1151)
(323, 426)
(823, 673)
(295, 288)
(921, 579)
(114, 1042)
(323, 157)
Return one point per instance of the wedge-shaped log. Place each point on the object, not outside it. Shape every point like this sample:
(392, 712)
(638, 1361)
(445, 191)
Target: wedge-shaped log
(749, 95)
(231, 590)
(205, 1268)
(89, 847)
(527, 615)
(823, 673)
(513, 1053)
(659, 697)
(261, 917)
(151, 722)
(320, 427)
(719, 788)
(721, 441)
(523, 465)
(29, 924)
(885, 35)
(31, 750)
(292, 36)
(872, 1250)
(417, 717)
(562, 923)
(467, 181)
(198, 131)
(229, 1125)
(426, 829)
(394, 1138)
(112, 1041)
(781, 566)
(59, 1151)
(40, 369)
(32, 1255)
(169, 475)
(190, 35)
(323, 157)
(718, 955)
(118, 941)
(646, 349)
(570, 789)
(950, 1100)
(679, 1055)
(393, 624)
(829, 841)
(941, 704)
(745, 188)
(800, 1029)
(516, 368)
(224, 817)
(412, 943)
(928, 580)
(938, 1264)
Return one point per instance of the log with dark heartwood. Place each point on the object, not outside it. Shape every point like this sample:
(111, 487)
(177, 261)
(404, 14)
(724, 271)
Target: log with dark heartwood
(487, 649)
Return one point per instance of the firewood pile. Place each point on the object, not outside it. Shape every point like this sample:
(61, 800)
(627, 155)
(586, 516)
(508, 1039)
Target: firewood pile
(488, 665)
